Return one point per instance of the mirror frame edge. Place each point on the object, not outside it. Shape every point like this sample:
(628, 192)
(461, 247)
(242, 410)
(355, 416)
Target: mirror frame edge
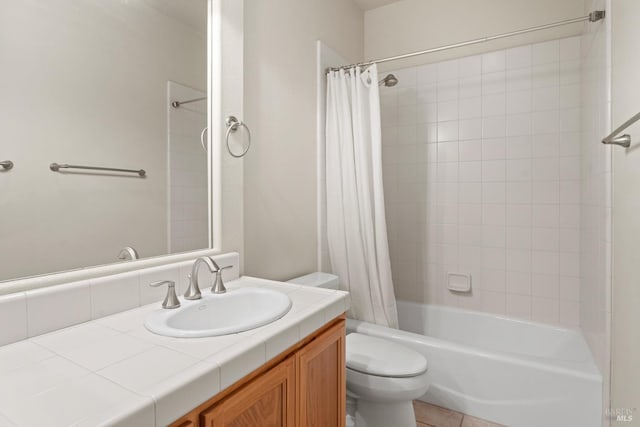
(214, 104)
(214, 177)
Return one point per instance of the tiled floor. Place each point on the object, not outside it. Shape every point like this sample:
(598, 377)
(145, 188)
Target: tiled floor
(434, 416)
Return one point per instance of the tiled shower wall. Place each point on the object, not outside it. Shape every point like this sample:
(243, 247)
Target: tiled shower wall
(481, 161)
(188, 227)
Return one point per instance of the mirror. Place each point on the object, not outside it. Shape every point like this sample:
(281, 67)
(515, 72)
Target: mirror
(90, 83)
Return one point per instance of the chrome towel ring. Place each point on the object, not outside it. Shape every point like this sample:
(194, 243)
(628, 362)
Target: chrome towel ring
(233, 124)
(202, 134)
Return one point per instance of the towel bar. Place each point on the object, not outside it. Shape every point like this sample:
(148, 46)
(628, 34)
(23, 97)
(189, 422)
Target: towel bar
(56, 168)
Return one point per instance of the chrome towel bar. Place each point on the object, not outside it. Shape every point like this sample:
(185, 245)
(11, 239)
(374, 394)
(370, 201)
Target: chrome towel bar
(177, 104)
(6, 165)
(56, 168)
(624, 140)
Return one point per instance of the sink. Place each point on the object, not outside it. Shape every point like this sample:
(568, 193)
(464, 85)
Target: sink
(235, 311)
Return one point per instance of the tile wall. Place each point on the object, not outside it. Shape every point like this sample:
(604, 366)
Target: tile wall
(188, 209)
(39, 311)
(482, 169)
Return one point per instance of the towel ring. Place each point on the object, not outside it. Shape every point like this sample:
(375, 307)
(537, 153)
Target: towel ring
(202, 134)
(232, 125)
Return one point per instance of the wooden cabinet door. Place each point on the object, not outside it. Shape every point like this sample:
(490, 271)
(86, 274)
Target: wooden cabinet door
(267, 401)
(321, 380)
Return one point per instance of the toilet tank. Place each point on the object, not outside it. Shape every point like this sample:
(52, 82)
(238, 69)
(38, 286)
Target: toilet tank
(317, 279)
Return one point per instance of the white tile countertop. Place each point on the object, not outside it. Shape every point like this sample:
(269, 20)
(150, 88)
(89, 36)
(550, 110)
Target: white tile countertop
(113, 371)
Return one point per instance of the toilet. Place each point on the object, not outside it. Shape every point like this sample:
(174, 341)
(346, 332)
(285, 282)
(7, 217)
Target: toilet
(383, 377)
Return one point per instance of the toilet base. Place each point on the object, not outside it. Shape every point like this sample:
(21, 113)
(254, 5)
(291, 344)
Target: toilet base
(379, 414)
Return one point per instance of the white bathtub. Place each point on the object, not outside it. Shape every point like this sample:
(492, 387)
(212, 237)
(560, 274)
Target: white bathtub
(512, 372)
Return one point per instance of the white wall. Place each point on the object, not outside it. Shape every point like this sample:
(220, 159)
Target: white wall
(85, 83)
(626, 206)
(413, 25)
(595, 209)
(482, 177)
(280, 203)
(232, 104)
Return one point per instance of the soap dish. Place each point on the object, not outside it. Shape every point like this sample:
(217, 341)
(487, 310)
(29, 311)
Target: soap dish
(459, 282)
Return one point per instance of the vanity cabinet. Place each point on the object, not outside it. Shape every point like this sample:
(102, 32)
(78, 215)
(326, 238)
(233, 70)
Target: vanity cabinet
(269, 400)
(321, 380)
(303, 387)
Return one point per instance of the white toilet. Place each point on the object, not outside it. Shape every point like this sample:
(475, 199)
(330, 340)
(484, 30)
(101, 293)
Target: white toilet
(383, 377)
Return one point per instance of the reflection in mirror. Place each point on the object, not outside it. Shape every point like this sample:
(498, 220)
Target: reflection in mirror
(90, 83)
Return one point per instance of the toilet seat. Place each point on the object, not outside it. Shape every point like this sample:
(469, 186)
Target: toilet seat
(386, 389)
(382, 358)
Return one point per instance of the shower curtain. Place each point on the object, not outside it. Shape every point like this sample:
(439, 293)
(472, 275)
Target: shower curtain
(356, 227)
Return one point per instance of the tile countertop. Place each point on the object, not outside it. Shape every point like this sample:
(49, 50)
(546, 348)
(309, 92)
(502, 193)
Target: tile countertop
(112, 371)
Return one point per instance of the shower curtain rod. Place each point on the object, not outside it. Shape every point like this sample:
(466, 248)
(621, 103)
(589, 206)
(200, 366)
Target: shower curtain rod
(594, 16)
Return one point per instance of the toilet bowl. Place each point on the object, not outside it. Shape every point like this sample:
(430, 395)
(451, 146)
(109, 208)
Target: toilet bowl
(383, 377)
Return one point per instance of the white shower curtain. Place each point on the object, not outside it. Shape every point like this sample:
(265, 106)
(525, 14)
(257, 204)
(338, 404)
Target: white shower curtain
(356, 227)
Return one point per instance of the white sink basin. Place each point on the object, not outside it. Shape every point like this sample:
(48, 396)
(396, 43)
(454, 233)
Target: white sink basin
(235, 311)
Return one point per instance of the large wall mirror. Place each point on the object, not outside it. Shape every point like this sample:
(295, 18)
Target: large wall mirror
(91, 83)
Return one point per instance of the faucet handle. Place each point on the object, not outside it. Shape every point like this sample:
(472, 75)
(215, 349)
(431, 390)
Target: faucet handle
(218, 285)
(193, 291)
(171, 300)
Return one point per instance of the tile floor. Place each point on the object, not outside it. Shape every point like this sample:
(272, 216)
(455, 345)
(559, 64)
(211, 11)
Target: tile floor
(434, 416)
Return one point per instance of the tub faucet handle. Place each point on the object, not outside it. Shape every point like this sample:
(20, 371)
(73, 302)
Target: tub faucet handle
(171, 299)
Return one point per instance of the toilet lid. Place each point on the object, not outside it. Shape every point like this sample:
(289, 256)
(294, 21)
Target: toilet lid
(384, 358)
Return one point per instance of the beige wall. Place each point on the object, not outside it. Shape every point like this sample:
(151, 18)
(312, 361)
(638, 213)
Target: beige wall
(413, 25)
(280, 229)
(626, 208)
(232, 104)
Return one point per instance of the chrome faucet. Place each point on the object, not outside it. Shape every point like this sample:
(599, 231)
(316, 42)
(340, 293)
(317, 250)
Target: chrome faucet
(194, 288)
(128, 253)
(171, 300)
(193, 292)
(218, 285)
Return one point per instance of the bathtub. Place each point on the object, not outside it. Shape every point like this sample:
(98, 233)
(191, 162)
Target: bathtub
(516, 373)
